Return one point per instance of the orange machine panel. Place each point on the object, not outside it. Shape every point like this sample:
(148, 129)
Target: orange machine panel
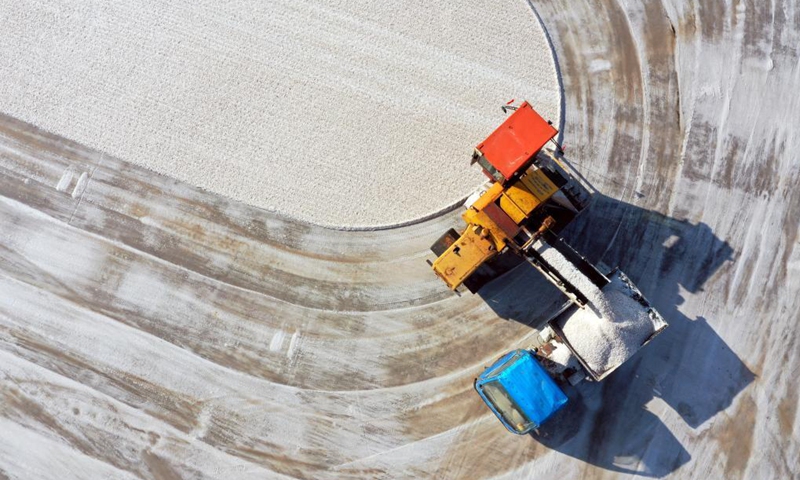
(517, 140)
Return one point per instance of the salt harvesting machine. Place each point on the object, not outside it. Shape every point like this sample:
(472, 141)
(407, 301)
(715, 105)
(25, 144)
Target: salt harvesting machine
(528, 200)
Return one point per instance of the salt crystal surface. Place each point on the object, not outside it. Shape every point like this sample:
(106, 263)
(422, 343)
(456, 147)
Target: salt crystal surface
(289, 106)
(569, 271)
(612, 326)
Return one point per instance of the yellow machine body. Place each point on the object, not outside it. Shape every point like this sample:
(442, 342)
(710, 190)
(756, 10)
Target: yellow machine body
(464, 256)
(492, 221)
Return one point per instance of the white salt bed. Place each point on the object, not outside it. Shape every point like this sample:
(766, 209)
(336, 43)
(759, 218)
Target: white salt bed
(343, 113)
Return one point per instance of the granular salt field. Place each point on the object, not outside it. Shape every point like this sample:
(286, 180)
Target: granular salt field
(345, 114)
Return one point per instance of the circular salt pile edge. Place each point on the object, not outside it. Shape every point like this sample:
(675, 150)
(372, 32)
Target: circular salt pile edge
(344, 114)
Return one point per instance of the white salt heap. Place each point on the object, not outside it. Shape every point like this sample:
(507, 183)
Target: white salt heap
(343, 113)
(568, 271)
(612, 326)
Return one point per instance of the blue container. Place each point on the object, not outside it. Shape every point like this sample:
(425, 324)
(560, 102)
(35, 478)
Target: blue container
(520, 392)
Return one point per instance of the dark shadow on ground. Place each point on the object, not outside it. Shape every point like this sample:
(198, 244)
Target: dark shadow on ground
(688, 366)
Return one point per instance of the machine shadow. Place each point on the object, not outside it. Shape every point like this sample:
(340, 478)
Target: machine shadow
(688, 366)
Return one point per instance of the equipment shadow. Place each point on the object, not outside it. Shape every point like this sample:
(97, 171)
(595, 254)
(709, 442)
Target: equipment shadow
(689, 366)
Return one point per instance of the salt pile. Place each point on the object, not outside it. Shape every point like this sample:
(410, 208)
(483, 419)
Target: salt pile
(615, 323)
(569, 271)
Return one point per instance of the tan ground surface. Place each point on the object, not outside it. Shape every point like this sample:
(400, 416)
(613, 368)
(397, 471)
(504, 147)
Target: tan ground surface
(149, 330)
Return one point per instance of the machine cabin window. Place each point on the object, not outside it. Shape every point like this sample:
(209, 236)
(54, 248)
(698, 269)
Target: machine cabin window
(506, 406)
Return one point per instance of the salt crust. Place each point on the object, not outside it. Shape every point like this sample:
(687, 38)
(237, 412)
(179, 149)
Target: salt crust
(341, 113)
